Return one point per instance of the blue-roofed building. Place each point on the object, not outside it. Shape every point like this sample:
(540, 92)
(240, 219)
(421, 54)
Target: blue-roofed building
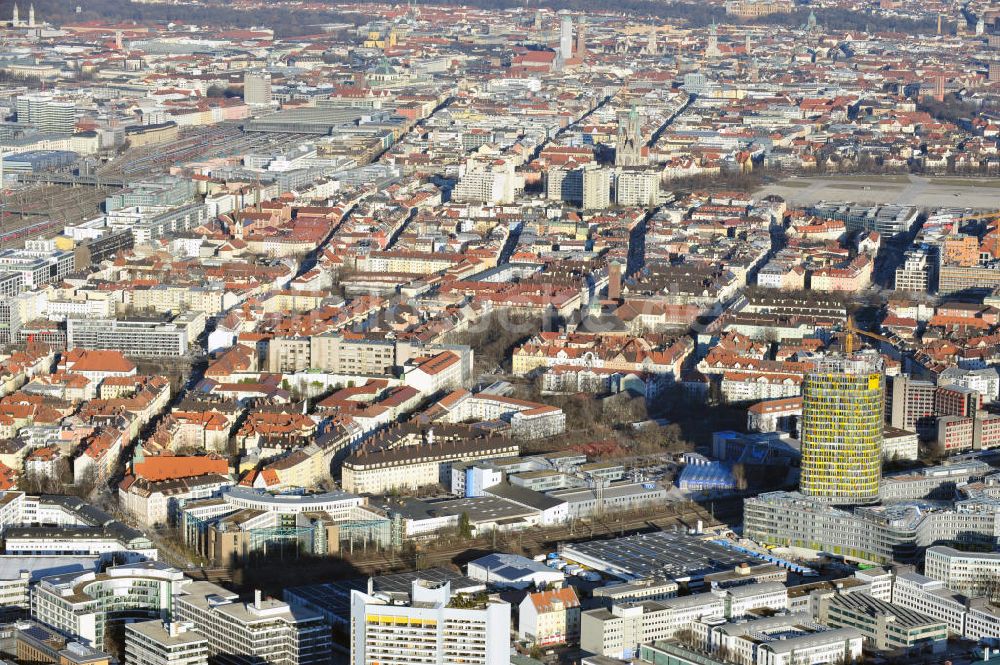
(512, 571)
(756, 448)
(35, 161)
(710, 476)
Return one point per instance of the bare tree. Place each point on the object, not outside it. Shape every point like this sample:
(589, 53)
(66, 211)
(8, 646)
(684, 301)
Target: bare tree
(740, 476)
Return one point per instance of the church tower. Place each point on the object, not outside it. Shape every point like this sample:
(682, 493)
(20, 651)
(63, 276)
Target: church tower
(628, 149)
(713, 41)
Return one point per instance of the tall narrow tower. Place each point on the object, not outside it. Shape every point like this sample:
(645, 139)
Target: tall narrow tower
(628, 148)
(939, 87)
(31, 15)
(15, 20)
(842, 424)
(581, 37)
(712, 49)
(566, 37)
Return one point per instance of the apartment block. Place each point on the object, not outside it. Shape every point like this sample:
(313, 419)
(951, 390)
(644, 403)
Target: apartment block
(131, 337)
(637, 188)
(433, 626)
(409, 458)
(550, 617)
(36, 268)
(957, 433)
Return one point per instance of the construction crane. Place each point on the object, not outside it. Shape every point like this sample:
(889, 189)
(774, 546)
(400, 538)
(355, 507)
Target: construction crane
(851, 332)
(981, 215)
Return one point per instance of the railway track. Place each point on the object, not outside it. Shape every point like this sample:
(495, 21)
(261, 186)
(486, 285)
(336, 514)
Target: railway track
(534, 542)
(42, 210)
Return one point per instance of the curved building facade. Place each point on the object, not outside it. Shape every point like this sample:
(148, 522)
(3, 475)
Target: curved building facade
(842, 425)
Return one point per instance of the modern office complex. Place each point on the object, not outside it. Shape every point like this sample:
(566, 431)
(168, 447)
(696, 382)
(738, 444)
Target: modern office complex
(971, 573)
(886, 625)
(876, 534)
(842, 431)
(262, 631)
(244, 520)
(19, 573)
(36, 268)
(257, 88)
(785, 639)
(434, 627)
(164, 643)
(46, 113)
(53, 525)
(84, 604)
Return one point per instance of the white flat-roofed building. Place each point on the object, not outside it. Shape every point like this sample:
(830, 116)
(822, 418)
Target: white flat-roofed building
(433, 627)
(630, 592)
(80, 541)
(262, 631)
(741, 600)
(17, 573)
(788, 639)
(618, 632)
(151, 222)
(971, 618)
(135, 338)
(37, 267)
(879, 581)
(971, 573)
(512, 570)
(81, 604)
(336, 504)
(585, 501)
(70, 527)
(931, 597)
(982, 620)
(164, 643)
(899, 444)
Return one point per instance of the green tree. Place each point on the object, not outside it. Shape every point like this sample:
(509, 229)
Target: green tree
(464, 526)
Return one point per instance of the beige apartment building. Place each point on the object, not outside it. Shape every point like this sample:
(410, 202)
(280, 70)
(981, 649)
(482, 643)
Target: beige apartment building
(331, 353)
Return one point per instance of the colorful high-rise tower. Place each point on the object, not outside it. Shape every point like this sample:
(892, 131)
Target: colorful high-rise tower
(842, 424)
